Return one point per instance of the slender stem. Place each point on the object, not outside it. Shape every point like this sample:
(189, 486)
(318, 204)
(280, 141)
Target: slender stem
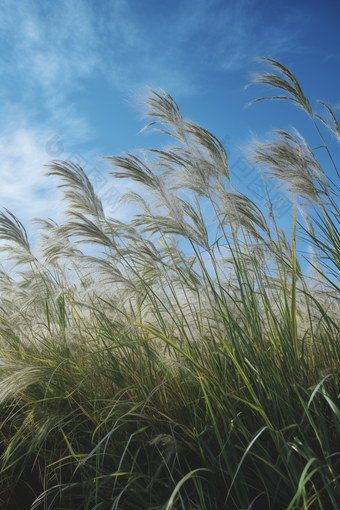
(294, 322)
(329, 154)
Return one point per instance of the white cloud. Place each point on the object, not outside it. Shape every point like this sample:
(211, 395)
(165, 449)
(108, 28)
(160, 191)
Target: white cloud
(52, 48)
(56, 45)
(25, 190)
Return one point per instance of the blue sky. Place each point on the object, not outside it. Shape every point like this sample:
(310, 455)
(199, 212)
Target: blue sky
(69, 68)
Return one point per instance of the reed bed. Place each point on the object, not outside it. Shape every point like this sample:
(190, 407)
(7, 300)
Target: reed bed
(136, 376)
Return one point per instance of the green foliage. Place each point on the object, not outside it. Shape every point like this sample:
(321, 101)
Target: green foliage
(134, 376)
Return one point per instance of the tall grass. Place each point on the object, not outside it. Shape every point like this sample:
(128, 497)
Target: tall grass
(137, 376)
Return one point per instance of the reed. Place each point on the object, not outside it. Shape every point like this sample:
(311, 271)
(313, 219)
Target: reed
(134, 375)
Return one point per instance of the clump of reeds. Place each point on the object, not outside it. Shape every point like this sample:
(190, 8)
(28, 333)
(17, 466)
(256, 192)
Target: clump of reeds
(137, 375)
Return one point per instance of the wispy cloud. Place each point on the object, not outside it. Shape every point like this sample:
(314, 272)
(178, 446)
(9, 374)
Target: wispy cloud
(55, 46)
(23, 188)
(54, 50)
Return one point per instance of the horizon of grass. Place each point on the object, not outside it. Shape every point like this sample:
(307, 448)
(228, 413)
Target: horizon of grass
(140, 377)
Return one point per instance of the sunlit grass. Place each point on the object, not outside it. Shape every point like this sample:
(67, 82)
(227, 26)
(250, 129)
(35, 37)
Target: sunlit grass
(142, 377)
